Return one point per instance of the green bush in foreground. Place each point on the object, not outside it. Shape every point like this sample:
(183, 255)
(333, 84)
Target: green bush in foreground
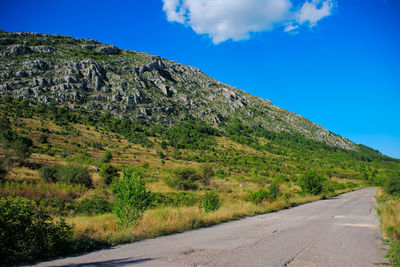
(28, 233)
(210, 201)
(131, 197)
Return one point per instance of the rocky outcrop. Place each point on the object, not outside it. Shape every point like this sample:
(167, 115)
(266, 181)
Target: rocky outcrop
(15, 50)
(108, 49)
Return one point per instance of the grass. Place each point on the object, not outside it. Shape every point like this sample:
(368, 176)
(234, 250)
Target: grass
(389, 215)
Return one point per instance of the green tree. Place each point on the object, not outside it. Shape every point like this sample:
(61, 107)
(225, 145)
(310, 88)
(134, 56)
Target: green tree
(108, 173)
(312, 183)
(207, 173)
(210, 201)
(22, 148)
(392, 184)
(5, 123)
(185, 178)
(131, 196)
(50, 174)
(107, 157)
(76, 174)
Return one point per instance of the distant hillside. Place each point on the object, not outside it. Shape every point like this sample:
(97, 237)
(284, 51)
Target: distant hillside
(85, 74)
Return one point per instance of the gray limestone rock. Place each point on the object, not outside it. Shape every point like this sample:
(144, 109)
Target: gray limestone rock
(108, 49)
(15, 50)
(43, 49)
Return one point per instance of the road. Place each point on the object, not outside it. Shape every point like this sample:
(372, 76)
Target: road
(343, 231)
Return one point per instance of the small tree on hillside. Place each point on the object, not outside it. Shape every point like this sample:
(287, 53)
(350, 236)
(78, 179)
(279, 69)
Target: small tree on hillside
(207, 172)
(22, 148)
(131, 197)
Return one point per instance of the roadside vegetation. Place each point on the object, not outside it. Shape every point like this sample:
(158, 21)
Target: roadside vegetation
(388, 199)
(89, 180)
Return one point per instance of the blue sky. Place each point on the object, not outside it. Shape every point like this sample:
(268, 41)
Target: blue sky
(336, 62)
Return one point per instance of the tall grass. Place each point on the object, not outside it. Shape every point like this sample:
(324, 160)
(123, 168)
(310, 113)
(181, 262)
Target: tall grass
(389, 215)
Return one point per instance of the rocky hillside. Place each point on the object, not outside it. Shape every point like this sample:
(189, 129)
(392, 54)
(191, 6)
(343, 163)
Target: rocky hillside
(83, 73)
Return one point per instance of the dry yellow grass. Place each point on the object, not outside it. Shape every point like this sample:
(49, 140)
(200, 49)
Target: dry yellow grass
(389, 214)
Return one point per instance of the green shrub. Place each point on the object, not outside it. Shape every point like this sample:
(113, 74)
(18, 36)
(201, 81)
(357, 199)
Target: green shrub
(220, 174)
(392, 185)
(312, 183)
(94, 205)
(210, 201)
(161, 154)
(43, 138)
(82, 157)
(262, 194)
(190, 135)
(131, 197)
(57, 206)
(257, 197)
(394, 252)
(51, 173)
(176, 199)
(108, 173)
(76, 174)
(28, 233)
(207, 173)
(273, 191)
(329, 189)
(70, 174)
(107, 157)
(184, 179)
(3, 170)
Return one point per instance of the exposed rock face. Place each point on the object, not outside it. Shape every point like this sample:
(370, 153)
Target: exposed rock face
(87, 74)
(15, 50)
(44, 49)
(108, 49)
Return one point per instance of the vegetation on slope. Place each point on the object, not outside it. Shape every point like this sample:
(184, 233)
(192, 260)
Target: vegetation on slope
(184, 176)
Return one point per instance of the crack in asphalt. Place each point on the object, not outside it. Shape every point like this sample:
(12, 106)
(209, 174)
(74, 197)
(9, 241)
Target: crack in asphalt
(286, 263)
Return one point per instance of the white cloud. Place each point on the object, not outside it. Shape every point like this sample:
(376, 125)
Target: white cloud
(174, 11)
(222, 20)
(311, 13)
(291, 28)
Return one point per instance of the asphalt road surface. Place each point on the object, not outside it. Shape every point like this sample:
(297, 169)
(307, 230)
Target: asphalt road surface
(343, 231)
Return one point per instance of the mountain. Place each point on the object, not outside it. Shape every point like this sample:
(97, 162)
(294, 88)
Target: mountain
(86, 74)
